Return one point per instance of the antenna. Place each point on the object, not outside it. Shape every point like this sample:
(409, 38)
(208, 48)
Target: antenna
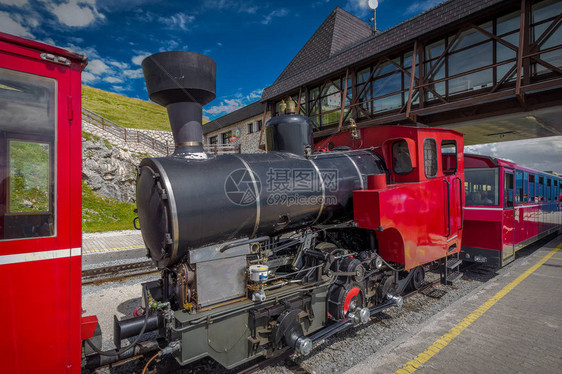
(373, 4)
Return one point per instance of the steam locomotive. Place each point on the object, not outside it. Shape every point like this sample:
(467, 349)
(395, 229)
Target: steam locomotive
(260, 253)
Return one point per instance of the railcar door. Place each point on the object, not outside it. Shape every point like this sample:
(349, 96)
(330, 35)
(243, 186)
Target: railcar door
(508, 219)
(39, 252)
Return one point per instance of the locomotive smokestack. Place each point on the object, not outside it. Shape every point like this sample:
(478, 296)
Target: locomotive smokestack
(182, 82)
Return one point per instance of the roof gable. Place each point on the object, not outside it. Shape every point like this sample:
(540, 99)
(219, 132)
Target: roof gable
(339, 31)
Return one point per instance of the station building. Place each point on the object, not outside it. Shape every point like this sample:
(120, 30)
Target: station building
(489, 68)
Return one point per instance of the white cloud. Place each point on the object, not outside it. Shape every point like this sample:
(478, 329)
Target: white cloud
(276, 13)
(10, 26)
(358, 7)
(234, 5)
(230, 105)
(118, 64)
(178, 20)
(544, 154)
(97, 67)
(113, 80)
(77, 13)
(13, 2)
(137, 60)
(421, 6)
(88, 77)
(133, 74)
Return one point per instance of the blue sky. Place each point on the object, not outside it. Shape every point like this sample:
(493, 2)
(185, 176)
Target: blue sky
(251, 40)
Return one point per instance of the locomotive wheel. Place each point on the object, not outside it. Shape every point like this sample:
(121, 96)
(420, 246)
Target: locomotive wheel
(344, 299)
(418, 278)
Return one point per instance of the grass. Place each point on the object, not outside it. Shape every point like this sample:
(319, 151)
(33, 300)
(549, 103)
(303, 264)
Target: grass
(100, 213)
(125, 111)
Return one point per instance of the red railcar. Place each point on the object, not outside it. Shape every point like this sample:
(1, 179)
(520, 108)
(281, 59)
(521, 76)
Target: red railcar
(40, 207)
(507, 207)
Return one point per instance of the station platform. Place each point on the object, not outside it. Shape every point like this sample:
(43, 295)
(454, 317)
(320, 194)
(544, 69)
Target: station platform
(112, 248)
(512, 324)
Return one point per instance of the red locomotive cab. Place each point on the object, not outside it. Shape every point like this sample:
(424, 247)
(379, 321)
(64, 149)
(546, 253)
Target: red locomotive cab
(418, 216)
(40, 207)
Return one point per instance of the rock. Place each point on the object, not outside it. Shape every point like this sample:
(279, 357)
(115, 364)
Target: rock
(109, 170)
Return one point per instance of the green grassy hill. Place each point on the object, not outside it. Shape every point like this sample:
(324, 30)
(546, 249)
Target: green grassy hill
(124, 111)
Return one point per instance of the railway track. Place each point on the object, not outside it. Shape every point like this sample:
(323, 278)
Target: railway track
(117, 272)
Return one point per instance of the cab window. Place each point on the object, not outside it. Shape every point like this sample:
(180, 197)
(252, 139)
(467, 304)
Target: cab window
(449, 156)
(401, 161)
(27, 172)
(430, 157)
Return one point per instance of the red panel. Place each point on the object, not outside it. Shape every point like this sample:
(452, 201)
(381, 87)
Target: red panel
(35, 326)
(43, 321)
(411, 219)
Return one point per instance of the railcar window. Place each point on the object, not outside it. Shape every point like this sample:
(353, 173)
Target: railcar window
(556, 190)
(540, 192)
(481, 187)
(401, 161)
(508, 191)
(526, 187)
(548, 185)
(519, 188)
(531, 188)
(27, 165)
(449, 156)
(430, 157)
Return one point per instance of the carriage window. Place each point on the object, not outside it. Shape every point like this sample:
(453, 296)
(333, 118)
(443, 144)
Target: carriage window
(531, 188)
(540, 191)
(556, 191)
(519, 190)
(508, 191)
(449, 156)
(27, 127)
(548, 194)
(401, 161)
(481, 187)
(430, 157)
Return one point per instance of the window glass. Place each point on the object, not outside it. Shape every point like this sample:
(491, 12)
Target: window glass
(531, 188)
(401, 161)
(540, 191)
(508, 191)
(226, 136)
(250, 128)
(548, 189)
(213, 140)
(258, 125)
(481, 187)
(430, 157)
(449, 156)
(27, 131)
(519, 191)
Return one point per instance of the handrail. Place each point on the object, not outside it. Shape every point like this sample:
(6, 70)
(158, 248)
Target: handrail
(137, 136)
(461, 188)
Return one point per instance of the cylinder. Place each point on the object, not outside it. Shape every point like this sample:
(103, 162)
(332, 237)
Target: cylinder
(187, 204)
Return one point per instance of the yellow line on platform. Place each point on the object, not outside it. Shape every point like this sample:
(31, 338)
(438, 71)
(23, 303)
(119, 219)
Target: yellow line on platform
(444, 340)
(113, 249)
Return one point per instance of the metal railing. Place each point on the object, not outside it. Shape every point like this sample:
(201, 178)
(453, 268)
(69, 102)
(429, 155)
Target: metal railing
(136, 136)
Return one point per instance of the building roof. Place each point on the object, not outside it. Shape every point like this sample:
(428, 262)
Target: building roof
(231, 118)
(339, 31)
(442, 15)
